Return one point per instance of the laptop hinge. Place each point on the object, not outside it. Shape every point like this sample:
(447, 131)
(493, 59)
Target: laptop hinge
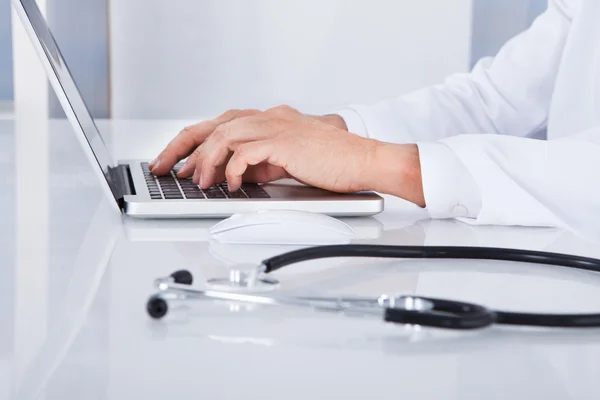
(123, 182)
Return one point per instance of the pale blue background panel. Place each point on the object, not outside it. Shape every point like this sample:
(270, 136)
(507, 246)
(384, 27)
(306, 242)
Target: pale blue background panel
(496, 21)
(81, 30)
(6, 66)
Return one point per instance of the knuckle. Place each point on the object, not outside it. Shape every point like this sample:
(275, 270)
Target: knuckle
(197, 153)
(275, 111)
(248, 113)
(191, 130)
(284, 108)
(227, 115)
(280, 112)
(188, 128)
(242, 151)
(220, 131)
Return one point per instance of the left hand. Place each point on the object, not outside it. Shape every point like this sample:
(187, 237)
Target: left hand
(284, 143)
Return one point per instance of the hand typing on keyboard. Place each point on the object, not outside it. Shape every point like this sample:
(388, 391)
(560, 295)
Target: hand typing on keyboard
(282, 142)
(171, 187)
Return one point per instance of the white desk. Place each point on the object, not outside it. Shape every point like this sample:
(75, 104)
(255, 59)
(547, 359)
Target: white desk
(74, 282)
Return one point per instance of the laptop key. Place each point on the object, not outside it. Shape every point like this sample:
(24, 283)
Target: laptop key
(215, 195)
(190, 192)
(236, 195)
(195, 195)
(255, 192)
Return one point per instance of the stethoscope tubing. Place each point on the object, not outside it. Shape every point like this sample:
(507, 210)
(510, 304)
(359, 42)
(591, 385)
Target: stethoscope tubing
(456, 315)
(431, 252)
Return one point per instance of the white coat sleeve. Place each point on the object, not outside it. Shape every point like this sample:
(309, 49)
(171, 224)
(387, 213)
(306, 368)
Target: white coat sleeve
(521, 181)
(507, 94)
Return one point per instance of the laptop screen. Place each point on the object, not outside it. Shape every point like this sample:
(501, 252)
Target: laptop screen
(66, 89)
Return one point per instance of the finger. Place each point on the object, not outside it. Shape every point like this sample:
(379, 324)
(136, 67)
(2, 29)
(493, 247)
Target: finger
(240, 130)
(216, 175)
(206, 147)
(216, 150)
(181, 147)
(187, 141)
(249, 154)
(188, 168)
(211, 169)
(264, 173)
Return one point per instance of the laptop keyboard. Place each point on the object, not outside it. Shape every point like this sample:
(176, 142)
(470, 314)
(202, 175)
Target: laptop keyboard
(170, 187)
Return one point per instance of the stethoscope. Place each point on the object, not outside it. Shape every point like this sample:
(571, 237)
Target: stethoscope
(249, 284)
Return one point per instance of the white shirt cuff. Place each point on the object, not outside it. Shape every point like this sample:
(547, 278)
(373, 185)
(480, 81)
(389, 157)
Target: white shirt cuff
(450, 190)
(353, 121)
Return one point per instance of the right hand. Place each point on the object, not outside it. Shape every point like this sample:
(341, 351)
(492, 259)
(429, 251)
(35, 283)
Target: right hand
(191, 137)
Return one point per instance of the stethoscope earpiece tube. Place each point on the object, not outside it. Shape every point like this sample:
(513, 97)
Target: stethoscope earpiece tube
(445, 314)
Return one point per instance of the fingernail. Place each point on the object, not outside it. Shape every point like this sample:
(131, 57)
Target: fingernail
(156, 164)
(195, 177)
(228, 187)
(201, 181)
(151, 165)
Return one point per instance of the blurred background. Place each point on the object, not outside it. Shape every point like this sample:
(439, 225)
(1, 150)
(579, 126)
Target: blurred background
(6, 64)
(182, 59)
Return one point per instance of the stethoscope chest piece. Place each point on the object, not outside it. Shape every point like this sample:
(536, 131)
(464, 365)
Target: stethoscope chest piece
(439, 313)
(245, 278)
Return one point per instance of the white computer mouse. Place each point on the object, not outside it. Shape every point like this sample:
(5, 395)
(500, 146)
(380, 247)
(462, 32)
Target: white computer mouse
(282, 227)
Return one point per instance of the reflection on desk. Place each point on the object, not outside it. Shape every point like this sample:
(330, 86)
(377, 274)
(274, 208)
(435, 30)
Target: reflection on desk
(76, 277)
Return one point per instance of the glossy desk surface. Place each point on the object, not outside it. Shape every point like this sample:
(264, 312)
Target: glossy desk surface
(75, 277)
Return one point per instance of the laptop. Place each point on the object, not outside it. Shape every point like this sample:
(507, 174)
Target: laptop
(137, 193)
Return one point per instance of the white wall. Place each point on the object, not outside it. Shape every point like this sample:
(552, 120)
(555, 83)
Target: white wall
(191, 58)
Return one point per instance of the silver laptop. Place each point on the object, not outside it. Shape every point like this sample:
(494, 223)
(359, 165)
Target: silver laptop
(138, 193)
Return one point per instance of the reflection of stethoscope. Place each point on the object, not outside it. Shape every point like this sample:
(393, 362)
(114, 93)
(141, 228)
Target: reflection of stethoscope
(246, 285)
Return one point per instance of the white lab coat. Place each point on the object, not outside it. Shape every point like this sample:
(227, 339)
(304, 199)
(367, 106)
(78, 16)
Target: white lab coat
(479, 134)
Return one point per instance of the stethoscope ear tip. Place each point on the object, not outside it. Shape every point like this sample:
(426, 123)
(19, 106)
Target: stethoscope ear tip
(157, 307)
(183, 277)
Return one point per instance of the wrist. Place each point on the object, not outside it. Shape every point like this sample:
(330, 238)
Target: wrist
(397, 172)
